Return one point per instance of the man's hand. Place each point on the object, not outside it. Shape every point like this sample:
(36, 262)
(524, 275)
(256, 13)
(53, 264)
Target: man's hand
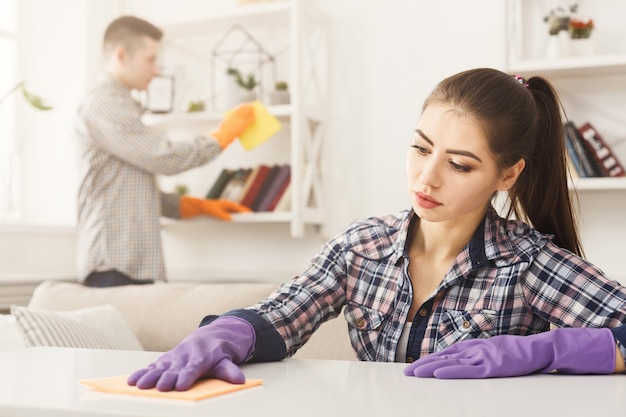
(221, 209)
(234, 124)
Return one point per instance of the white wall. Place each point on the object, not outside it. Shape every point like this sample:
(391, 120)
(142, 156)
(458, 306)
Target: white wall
(59, 49)
(385, 58)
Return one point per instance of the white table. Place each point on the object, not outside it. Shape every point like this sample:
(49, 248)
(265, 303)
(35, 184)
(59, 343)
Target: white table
(44, 382)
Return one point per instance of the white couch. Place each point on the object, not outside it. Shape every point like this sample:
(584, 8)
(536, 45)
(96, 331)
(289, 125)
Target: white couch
(161, 315)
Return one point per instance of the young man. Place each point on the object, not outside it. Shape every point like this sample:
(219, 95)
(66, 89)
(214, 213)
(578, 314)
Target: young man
(119, 203)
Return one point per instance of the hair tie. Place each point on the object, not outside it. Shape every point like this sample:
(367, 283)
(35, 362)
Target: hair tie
(521, 80)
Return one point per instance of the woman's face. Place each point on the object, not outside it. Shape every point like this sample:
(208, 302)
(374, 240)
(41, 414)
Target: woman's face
(451, 171)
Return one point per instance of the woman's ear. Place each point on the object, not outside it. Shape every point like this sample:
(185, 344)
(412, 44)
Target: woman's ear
(510, 175)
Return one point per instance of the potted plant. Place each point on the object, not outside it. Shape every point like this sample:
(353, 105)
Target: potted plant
(580, 29)
(247, 85)
(558, 21)
(280, 95)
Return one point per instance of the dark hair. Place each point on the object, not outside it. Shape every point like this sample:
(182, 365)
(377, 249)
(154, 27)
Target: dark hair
(128, 31)
(521, 119)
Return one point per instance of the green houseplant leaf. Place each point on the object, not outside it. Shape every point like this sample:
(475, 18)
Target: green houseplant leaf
(247, 83)
(32, 99)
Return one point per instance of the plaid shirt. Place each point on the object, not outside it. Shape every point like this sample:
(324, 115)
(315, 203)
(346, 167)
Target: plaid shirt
(119, 203)
(510, 279)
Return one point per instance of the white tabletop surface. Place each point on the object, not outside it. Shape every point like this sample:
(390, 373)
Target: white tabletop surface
(44, 382)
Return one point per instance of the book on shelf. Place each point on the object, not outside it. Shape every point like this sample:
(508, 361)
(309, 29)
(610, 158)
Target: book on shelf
(284, 202)
(255, 185)
(587, 165)
(571, 168)
(608, 162)
(265, 185)
(249, 180)
(218, 186)
(573, 161)
(261, 188)
(234, 188)
(276, 188)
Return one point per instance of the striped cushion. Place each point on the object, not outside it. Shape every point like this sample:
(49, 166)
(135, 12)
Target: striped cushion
(100, 327)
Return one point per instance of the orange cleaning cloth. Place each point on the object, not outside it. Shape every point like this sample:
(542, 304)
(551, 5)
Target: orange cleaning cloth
(202, 389)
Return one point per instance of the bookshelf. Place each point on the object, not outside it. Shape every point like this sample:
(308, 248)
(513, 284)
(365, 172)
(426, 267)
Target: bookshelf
(590, 86)
(296, 33)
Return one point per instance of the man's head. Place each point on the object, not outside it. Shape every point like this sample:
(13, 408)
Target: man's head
(131, 48)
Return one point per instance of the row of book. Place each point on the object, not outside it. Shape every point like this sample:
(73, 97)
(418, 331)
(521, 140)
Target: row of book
(588, 154)
(262, 188)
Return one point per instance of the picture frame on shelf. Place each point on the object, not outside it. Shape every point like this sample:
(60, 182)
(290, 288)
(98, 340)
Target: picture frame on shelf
(160, 95)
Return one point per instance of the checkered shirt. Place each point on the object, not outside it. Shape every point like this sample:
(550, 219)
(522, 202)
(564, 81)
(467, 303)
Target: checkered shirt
(510, 279)
(119, 203)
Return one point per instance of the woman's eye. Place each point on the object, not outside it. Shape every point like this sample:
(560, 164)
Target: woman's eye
(420, 149)
(459, 167)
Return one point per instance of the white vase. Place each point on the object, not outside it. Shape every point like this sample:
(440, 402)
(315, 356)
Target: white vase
(581, 47)
(558, 45)
(553, 47)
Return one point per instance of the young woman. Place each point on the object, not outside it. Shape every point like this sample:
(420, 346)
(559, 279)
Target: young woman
(414, 284)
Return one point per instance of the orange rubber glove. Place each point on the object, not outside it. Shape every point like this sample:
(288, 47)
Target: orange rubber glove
(234, 124)
(191, 207)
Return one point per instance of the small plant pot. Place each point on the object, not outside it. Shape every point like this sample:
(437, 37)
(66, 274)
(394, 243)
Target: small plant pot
(581, 47)
(279, 97)
(246, 96)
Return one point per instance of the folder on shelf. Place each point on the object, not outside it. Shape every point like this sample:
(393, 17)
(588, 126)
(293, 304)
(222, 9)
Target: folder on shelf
(264, 127)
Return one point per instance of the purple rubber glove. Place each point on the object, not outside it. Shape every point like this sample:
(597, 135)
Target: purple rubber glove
(570, 351)
(209, 351)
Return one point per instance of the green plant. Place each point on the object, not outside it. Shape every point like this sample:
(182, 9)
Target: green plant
(281, 86)
(580, 28)
(247, 83)
(196, 106)
(30, 98)
(558, 19)
(181, 189)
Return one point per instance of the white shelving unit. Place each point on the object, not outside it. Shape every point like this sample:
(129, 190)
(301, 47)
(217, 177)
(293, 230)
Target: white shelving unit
(592, 88)
(303, 34)
(578, 75)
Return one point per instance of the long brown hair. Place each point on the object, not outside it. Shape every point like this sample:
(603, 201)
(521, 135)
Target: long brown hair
(521, 120)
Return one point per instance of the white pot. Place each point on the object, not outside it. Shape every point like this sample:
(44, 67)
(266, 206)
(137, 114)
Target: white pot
(246, 96)
(278, 97)
(581, 47)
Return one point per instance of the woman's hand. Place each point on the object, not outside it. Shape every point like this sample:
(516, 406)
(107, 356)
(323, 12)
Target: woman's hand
(209, 351)
(568, 350)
